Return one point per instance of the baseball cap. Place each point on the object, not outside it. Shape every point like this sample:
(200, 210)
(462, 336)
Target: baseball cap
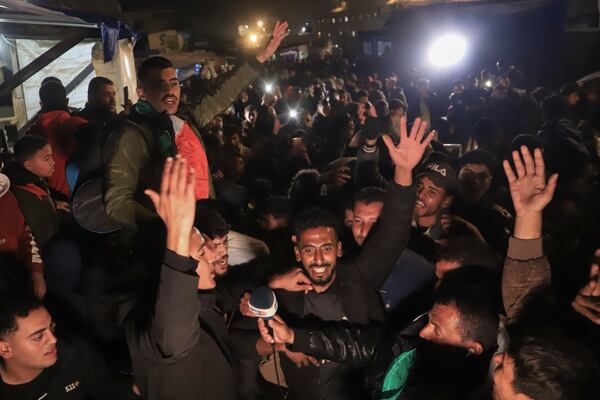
(442, 174)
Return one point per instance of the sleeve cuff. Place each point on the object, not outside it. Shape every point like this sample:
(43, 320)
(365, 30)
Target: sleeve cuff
(180, 263)
(254, 63)
(525, 249)
(301, 341)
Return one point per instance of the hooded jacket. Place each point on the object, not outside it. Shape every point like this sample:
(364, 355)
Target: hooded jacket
(50, 125)
(15, 236)
(37, 206)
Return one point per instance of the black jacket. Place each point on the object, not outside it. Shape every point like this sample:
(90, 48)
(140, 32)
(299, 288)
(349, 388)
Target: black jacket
(79, 373)
(358, 281)
(35, 202)
(182, 353)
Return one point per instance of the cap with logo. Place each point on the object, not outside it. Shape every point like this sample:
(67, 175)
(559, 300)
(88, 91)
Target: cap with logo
(441, 174)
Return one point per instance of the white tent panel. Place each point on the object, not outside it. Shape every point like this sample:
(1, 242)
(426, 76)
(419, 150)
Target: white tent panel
(66, 67)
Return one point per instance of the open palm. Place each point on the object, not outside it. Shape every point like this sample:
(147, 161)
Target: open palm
(528, 187)
(407, 154)
(280, 32)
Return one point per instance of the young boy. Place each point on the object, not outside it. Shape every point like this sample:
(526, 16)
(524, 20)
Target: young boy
(33, 165)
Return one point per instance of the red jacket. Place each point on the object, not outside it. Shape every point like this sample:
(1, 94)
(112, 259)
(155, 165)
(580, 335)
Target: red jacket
(15, 235)
(58, 127)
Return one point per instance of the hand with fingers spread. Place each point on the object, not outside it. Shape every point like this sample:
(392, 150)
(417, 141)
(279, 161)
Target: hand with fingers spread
(176, 203)
(587, 301)
(529, 191)
(409, 151)
(279, 33)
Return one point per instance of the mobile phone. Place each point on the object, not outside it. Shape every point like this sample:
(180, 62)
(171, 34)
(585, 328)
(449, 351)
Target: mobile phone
(126, 94)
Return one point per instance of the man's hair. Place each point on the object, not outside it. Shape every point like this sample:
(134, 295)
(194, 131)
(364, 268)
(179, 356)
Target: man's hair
(13, 306)
(552, 369)
(96, 83)
(315, 217)
(210, 222)
(531, 141)
(554, 107)
(53, 96)
(278, 207)
(464, 247)
(369, 195)
(568, 89)
(304, 190)
(478, 156)
(26, 147)
(151, 64)
(475, 294)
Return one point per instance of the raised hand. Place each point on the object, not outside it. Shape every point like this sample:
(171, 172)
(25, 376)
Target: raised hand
(176, 203)
(409, 151)
(587, 301)
(279, 33)
(528, 187)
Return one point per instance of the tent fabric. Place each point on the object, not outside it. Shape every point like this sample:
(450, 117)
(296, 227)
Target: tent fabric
(110, 29)
(16, 11)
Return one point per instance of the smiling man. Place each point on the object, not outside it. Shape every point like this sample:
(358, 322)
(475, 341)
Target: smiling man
(348, 290)
(435, 191)
(34, 364)
(158, 128)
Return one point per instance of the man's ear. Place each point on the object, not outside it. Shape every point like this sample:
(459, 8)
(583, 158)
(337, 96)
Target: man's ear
(27, 165)
(140, 92)
(339, 249)
(474, 348)
(296, 248)
(5, 350)
(447, 202)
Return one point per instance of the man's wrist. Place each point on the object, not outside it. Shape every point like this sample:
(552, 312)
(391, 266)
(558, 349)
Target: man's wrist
(403, 176)
(528, 225)
(179, 243)
(291, 337)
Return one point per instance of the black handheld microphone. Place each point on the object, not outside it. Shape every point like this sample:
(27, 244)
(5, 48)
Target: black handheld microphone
(263, 304)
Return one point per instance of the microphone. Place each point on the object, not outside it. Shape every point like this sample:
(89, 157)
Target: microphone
(263, 304)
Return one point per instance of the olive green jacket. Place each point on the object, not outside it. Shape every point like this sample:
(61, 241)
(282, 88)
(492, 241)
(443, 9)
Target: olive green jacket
(135, 152)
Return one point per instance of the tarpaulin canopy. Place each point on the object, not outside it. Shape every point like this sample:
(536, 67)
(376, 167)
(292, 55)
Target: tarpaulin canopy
(21, 19)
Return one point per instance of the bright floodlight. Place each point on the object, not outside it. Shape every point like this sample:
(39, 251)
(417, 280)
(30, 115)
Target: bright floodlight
(260, 24)
(447, 50)
(268, 87)
(253, 38)
(293, 114)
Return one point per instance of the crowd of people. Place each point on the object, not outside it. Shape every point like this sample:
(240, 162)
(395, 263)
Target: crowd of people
(419, 245)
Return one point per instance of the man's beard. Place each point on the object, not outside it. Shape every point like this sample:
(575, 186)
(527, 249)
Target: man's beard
(321, 281)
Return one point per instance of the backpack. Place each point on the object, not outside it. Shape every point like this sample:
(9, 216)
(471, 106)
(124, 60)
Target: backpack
(87, 202)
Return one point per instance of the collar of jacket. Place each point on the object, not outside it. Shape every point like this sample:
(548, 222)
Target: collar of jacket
(19, 176)
(158, 123)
